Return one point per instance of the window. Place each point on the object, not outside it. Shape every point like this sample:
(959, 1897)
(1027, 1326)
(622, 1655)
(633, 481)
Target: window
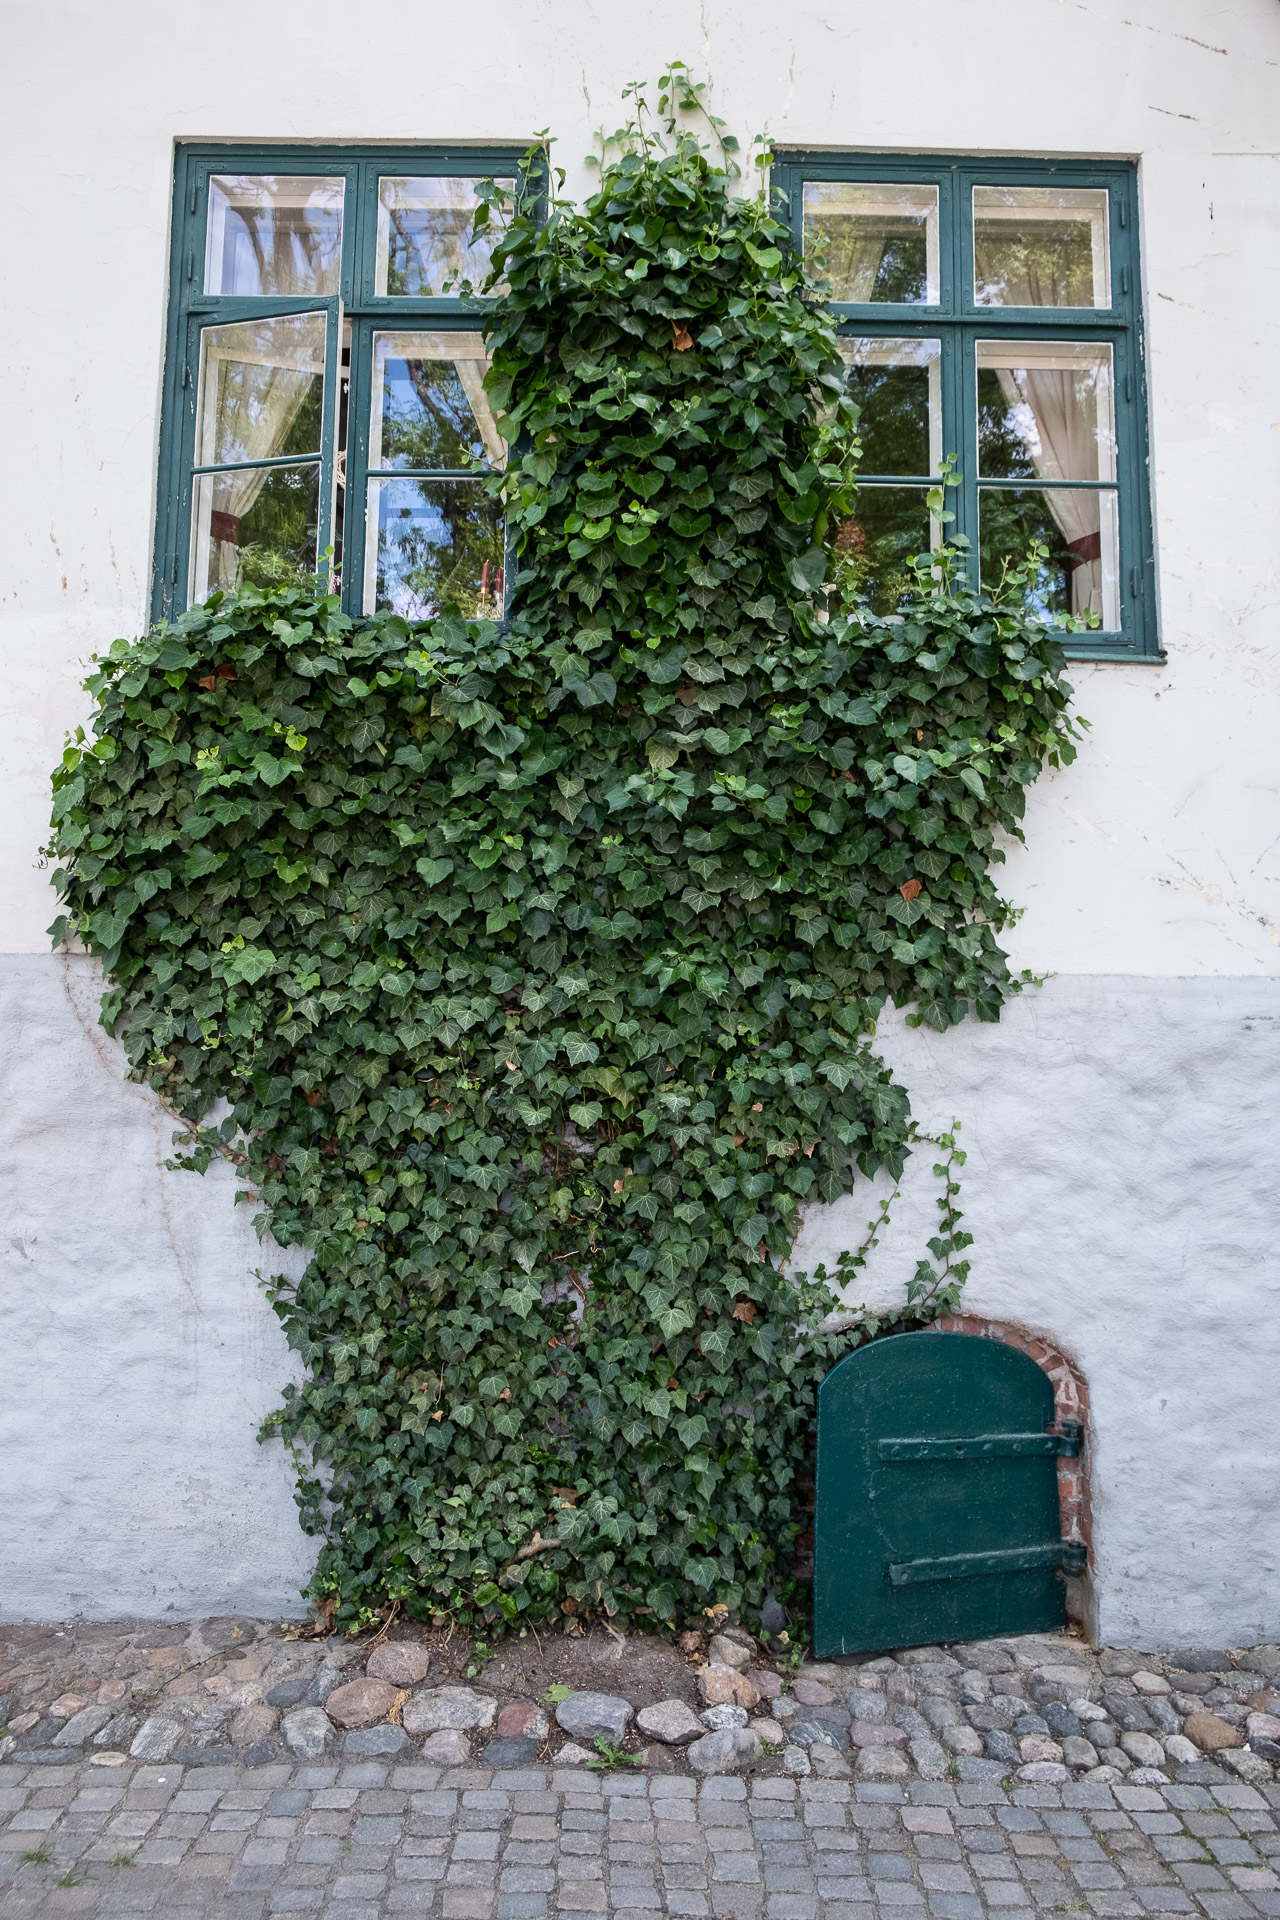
(989, 310)
(324, 385)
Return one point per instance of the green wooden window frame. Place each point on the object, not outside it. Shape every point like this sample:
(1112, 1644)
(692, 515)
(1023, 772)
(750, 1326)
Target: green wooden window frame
(355, 311)
(960, 323)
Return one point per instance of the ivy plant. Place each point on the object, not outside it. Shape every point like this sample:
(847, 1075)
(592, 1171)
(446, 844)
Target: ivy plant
(529, 972)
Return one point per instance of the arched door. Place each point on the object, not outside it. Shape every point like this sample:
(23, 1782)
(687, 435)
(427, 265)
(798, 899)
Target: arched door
(937, 1504)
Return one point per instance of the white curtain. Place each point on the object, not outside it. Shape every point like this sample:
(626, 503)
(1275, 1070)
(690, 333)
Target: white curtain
(1060, 406)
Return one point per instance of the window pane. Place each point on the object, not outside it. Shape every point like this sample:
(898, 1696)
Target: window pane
(889, 526)
(273, 233)
(881, 240)
(261, 389)
(1041, 247)
(424, 229)
(429, 542)
(429, 406)
(1045, 410)
(256, 527)
(898, 385)
(1081, 531)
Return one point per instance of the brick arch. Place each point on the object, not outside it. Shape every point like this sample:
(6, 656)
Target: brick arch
(1070, 1402)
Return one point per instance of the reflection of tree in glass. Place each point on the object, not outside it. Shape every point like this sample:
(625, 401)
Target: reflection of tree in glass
(435, 551)
(1008, 523)
(424, 243)
(435, 428)
(894, 423)
(884, 259)
(888, 528)
(293, 247)
(1002, 449)
(277, 545)
(1046, 263)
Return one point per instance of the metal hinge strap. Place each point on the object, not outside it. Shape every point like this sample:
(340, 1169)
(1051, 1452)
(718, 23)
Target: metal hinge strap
(986, 1446)
(1070, 1555)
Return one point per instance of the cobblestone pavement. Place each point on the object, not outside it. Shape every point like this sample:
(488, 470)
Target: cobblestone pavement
(369, 1839)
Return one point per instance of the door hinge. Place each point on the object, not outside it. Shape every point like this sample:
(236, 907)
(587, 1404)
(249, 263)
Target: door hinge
(1070, 1555)
(986, 1446)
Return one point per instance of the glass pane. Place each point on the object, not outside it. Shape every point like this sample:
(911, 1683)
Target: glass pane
(881, 240)
(898, 385)
(256, 528)
(273, 233)
(424, 234)
(1041, 247)
(429, 405)
(1045, 410)
(1082, 532)
(430, 542)
(261, 389)
(889, 526)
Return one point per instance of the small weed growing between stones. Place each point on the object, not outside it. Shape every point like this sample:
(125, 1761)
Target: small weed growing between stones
(608, 1757)
(73, 1877)
(122, 1859)
(36, 1857)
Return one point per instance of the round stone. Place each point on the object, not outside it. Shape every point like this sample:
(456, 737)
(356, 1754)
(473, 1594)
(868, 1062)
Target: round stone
(1044, 1773)
(1210, 1734)
(360, 1703)
(726, 1687)
(518, 1750)
(717, 1718)
(731, 1750)
(447, 1748)
(369, 1742)
(251, 1725)
(401, 1662)
(1078, 1752)
(1035, 1747)
(882, 1763)
(1143, 1749)
(812, 1693)
(307, 1730)
(595, 1716)
(795, 1760)
(962, 1739)
(672, 1721)
(930, 1759)
(437, 1708)
(723, 1652)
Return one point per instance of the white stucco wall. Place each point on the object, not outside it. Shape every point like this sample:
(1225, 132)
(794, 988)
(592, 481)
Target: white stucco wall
(1151, 877)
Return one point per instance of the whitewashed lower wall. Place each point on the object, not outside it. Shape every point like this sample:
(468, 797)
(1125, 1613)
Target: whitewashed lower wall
(1121, 1187)
(140, 1353)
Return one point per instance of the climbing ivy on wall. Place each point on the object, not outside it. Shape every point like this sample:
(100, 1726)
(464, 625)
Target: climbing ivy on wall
(529, 972)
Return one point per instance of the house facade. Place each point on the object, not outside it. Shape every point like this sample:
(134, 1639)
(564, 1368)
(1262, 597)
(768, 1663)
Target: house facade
(1052, 240)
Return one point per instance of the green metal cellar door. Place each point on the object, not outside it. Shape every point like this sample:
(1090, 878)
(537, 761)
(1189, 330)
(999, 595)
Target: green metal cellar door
(937, 1509)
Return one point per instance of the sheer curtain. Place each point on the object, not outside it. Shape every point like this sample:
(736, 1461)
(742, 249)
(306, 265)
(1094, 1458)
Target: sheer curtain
(1060, 406)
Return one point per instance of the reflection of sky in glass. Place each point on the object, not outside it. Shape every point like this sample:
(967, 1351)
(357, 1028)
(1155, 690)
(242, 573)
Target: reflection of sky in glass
(273, 234)
(426, 417)
(412, 534)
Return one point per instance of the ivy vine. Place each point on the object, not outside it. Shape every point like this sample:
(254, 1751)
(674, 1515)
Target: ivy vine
(529, 972)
